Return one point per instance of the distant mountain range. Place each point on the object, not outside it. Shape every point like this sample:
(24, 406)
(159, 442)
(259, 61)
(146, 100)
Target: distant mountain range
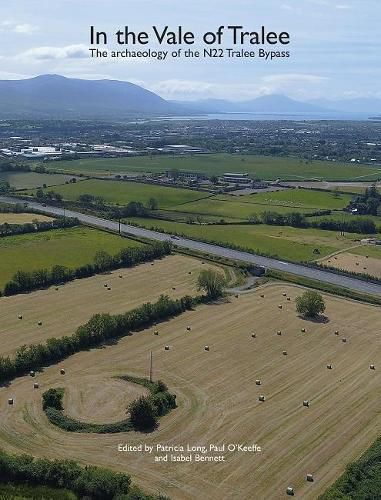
(54, 96)
(265, 104)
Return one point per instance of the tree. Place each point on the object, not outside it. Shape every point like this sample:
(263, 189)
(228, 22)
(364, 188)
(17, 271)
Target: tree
(310, 304)
(103, 260)
(211, 282)
(152, 204)
(143, 414)
(40, 194)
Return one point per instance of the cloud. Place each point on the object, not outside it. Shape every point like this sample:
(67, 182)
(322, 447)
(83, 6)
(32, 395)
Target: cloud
(292, 78)
(22, 28)
(54, 53)
(290, 84)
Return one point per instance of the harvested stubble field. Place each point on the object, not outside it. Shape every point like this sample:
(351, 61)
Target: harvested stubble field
(356, 263)
(218, 398)
(22, 218)
(62, 311)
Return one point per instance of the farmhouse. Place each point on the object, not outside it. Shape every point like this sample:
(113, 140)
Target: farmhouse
(237, 178)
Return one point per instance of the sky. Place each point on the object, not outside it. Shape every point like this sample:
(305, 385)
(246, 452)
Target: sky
(335, 49)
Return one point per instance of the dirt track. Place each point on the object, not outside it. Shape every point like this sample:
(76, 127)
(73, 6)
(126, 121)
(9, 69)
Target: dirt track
(218, 398)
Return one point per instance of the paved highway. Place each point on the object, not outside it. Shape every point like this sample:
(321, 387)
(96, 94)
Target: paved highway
(266, 262)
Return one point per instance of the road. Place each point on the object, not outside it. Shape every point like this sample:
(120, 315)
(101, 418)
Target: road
(266, 262)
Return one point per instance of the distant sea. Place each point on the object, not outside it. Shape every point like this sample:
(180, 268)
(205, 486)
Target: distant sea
(332, 116)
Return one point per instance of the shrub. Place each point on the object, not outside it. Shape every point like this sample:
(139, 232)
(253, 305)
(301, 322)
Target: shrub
(310, 304)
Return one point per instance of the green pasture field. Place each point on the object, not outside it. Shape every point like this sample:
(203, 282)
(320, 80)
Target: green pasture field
(282, 241)
(265, 167)
(232, 207)
(121, 192)
(198, 202)
(71, 247)
(30, 180)
(299, 198)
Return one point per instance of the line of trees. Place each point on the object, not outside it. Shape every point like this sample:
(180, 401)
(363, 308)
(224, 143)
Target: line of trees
(25, 281)
(7, 229)
(144, 412)
(99, 329)
(86, 482)
(299, 220)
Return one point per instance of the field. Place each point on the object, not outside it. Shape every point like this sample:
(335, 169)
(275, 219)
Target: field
(300, 198)
(218, 399)
(363, 259)
(283, 241)
(22, 218)
(198, 202)
(29, 180)
(120, 192)
(72, 247)
(216, 164)
(85, 297)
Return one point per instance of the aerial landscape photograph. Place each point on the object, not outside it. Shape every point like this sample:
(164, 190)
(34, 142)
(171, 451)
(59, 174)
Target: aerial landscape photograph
(190, 250)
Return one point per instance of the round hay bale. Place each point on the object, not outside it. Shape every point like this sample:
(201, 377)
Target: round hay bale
(336, 332)
(329, 367)
(173, 288)
(56, 288)
(189, 272)
(39, 323)
(279, 332)
(202, 262)
(310, 478)
(254, 335)
(166, 348)
(20, 316)
(284, 294)
(62, 371)
(306, 403)
(10, 401)
(289, 299)
(105, 285)
(344, 339)
(156, 332)
(258, 382)
(280, 306)
(262, 295)
(31, 373)
(236, 295)
(152, 264)
(206, 348)
(290, 491)
(262, 398)
(36, 385)
(367, 256)
(284, 353)
(357, 263)
(372, 367)
(303, 330)
(109, 288)
(188, 328)
(120, 276)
